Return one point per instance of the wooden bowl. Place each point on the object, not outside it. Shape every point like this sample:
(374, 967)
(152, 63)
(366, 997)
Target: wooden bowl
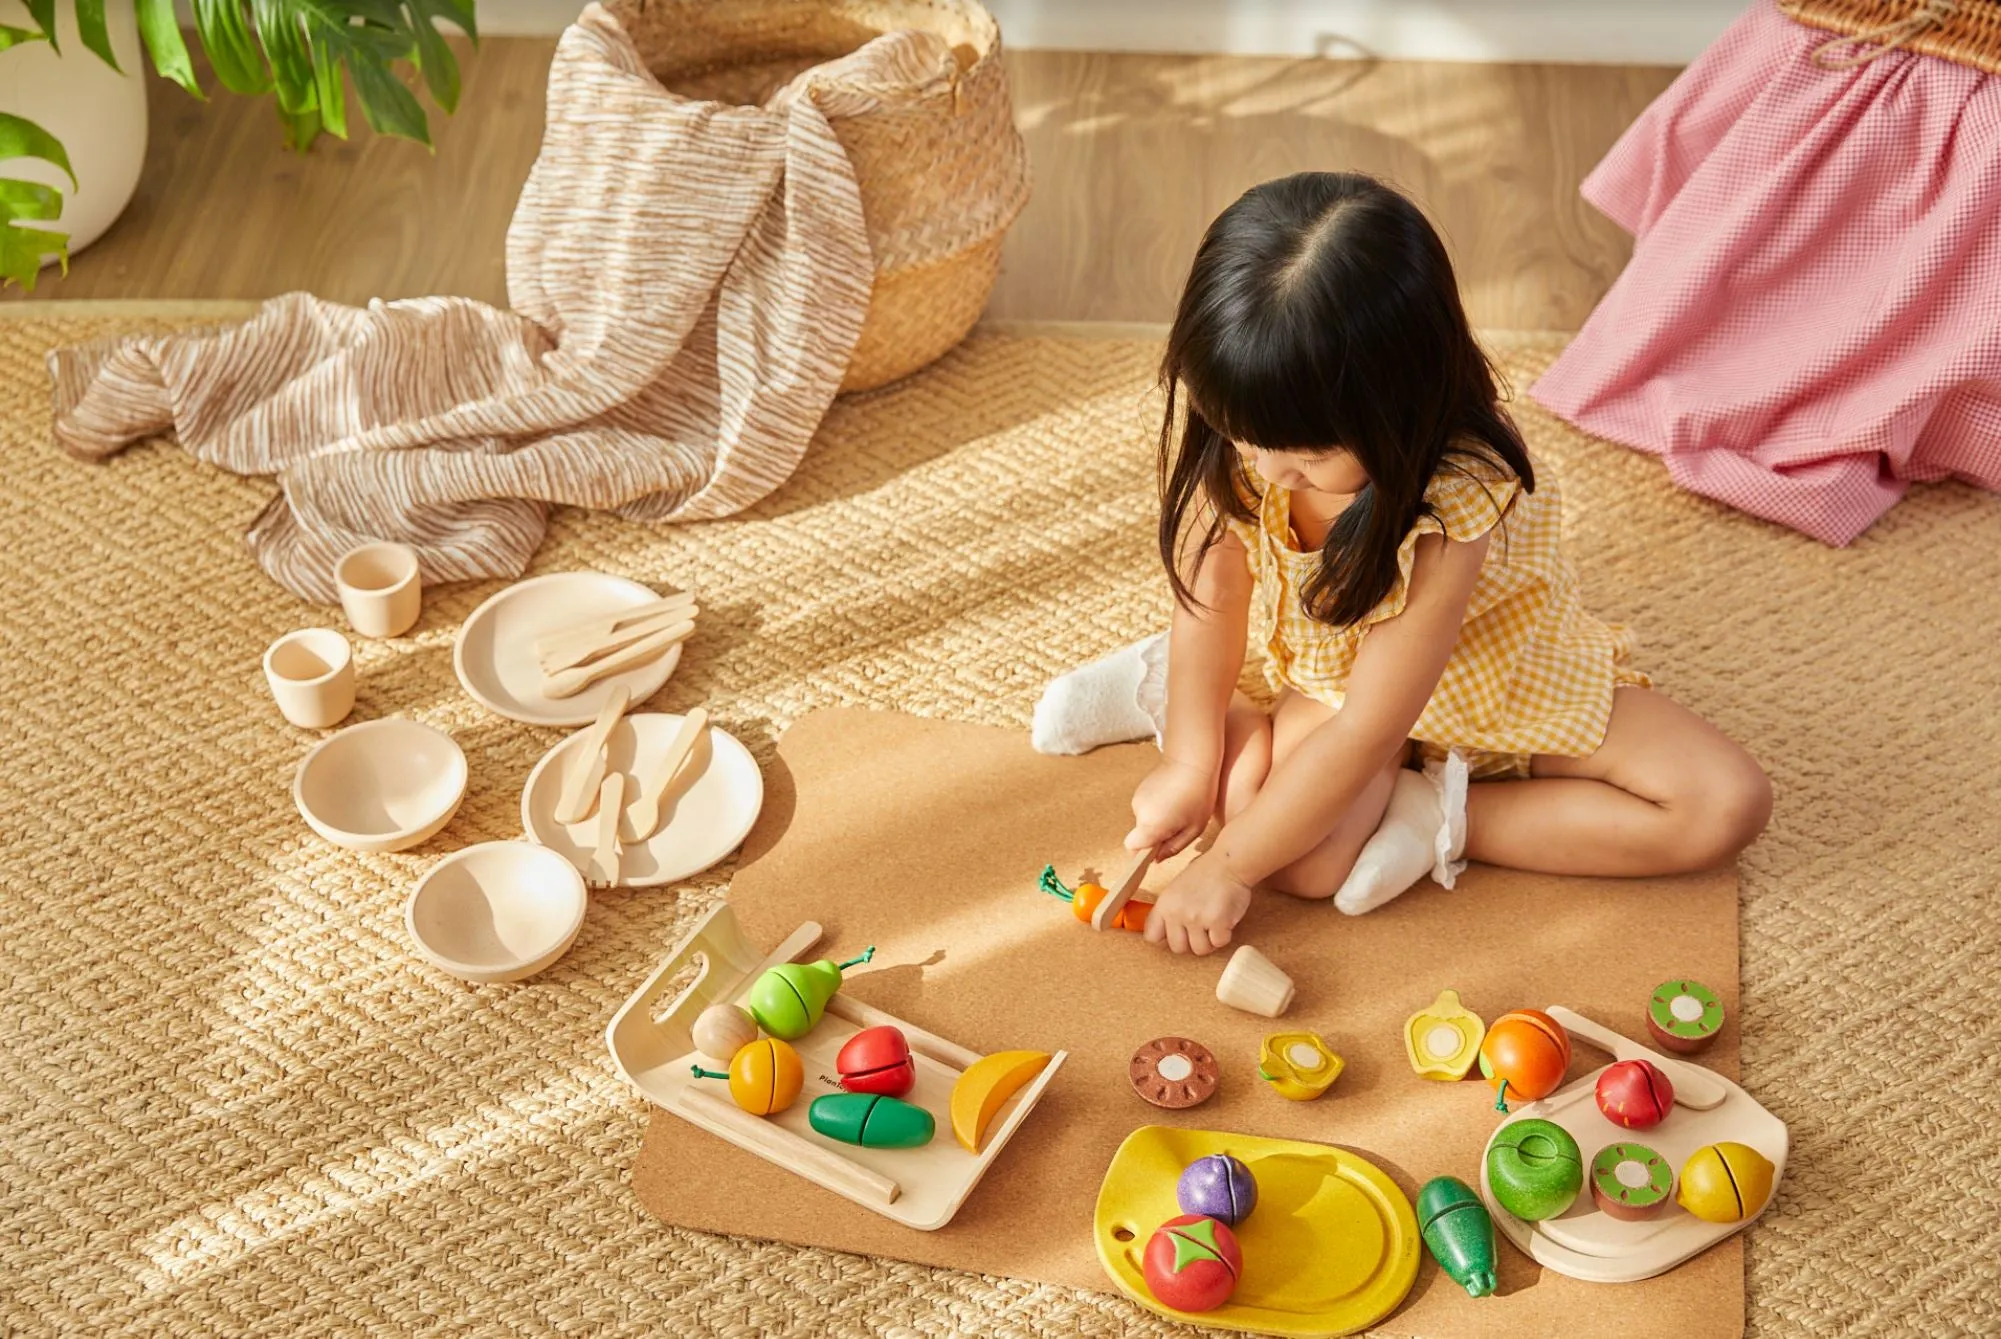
(498, 911)
(382, 785)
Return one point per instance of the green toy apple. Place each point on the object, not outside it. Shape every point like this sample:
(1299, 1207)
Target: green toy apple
(1535, 1169)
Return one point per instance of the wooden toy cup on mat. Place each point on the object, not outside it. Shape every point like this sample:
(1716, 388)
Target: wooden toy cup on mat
(311, 673)
(380, 589)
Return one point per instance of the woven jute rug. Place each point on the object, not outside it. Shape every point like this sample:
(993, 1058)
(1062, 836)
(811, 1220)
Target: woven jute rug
(233, 1101)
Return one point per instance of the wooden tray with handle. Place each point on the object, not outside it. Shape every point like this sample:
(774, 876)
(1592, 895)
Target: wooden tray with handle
(654, 1048)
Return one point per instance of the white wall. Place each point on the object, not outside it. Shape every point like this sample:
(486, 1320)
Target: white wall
(1652, 32)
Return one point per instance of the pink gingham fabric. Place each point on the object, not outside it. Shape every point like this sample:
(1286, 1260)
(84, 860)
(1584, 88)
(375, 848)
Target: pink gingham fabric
(1811, 319)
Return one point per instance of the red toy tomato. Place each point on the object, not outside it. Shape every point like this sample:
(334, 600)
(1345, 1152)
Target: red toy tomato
(1635, 1094)
(877, 1060)
(1192, 1263)
(1524, 1055)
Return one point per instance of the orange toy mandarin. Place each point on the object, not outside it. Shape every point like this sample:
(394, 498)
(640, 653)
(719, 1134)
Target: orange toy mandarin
(1525, 1052)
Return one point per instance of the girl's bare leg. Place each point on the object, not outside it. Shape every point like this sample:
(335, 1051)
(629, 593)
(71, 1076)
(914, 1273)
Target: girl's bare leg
(1666, 793)
(1246, 756)
(1320, 872)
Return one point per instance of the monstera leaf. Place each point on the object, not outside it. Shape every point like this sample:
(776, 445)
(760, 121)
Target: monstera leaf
(303, 52)
(24, 203)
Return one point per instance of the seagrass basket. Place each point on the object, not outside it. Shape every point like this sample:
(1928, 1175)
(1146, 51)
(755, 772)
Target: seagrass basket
(941, 167)
(1965, 31)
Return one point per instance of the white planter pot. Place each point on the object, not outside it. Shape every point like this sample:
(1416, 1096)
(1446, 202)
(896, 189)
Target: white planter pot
(97, 113)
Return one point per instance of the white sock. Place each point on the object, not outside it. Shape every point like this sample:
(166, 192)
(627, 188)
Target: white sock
(1109, 701)
(1423, 832)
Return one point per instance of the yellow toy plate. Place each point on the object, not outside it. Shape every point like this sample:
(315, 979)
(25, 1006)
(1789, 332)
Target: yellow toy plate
(1330, 1249)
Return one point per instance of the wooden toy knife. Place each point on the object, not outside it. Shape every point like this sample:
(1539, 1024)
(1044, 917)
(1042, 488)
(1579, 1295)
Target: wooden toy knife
(604, 856)
(599, 626)
(1116, 898)
(570, 682)
(580, 783)
(567, 651)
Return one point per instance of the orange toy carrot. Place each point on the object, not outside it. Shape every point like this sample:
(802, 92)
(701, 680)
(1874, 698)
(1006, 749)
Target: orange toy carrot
(1084, 900)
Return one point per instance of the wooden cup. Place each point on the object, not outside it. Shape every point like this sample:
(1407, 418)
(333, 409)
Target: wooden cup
(311, 673)
(380, 589)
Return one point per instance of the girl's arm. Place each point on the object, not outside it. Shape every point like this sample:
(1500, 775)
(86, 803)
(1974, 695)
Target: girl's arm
(1395, 673)
(1205, 655)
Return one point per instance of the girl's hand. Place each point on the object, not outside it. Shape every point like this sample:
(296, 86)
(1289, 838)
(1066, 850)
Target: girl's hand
(1171, 808)
(1196, 913)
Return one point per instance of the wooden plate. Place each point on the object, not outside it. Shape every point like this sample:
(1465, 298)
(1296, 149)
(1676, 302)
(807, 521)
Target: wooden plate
(921, 1187)
(495, 652)
(712, 815)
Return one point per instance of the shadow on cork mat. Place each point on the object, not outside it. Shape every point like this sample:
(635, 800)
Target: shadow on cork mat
(925, 839)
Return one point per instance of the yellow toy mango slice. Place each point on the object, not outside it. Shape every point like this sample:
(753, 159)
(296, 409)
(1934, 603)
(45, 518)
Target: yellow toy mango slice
(985, 1085)
(1443, 1039)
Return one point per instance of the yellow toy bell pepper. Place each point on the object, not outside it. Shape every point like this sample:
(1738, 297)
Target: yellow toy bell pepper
(1443, 1040)
(1298, 1065)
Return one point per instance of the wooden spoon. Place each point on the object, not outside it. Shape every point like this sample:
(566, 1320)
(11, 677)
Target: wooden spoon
(654, 779)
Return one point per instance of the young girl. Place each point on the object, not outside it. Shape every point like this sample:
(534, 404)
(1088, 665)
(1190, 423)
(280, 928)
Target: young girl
(1347, 490)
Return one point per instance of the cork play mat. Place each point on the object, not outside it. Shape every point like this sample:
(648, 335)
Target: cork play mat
(236, 1102)
(925, 839)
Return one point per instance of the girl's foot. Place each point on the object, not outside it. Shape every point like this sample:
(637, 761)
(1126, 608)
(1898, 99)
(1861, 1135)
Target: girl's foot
(1109, 701)
(1423, 832)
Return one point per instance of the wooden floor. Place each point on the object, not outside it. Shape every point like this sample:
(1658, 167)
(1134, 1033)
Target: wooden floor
(1132, 156)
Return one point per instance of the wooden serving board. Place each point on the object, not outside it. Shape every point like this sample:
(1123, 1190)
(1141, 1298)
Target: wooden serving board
(654, 1049)
(1588, 1244)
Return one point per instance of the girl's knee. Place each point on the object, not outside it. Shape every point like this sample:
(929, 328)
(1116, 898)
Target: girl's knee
(1727, 814)
(1314, 877)
(1246, 759)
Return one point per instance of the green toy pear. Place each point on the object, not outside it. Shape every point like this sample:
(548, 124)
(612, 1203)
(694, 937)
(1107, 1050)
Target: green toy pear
(787, 1001)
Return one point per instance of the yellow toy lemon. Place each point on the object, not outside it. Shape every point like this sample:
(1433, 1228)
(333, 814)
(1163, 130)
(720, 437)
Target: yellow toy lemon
(1725, 1183)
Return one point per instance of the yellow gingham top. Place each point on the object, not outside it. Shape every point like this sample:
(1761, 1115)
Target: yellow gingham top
(1533, 671)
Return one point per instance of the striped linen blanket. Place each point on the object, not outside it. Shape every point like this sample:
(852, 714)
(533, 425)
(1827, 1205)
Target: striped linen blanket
(687, 282)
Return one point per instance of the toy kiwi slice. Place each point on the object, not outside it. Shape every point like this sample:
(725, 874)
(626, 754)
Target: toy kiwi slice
(788, 1000)
(1684, 1015)
(1630, 1181)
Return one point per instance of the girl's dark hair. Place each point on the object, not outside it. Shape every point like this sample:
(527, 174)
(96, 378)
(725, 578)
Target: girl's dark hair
(1321, 311)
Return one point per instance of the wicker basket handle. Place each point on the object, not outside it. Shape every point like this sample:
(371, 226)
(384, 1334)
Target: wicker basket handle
(1884, 37)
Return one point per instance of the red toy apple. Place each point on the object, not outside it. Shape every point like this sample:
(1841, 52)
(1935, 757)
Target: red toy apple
(1192, 1263)
(1635, 1094)
(877, 1060)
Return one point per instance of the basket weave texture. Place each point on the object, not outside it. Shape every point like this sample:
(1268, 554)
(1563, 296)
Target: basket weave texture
(1965, 31)
(941, 167)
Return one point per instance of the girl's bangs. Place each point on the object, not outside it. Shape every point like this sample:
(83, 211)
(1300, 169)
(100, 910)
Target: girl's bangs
(1272, 393)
